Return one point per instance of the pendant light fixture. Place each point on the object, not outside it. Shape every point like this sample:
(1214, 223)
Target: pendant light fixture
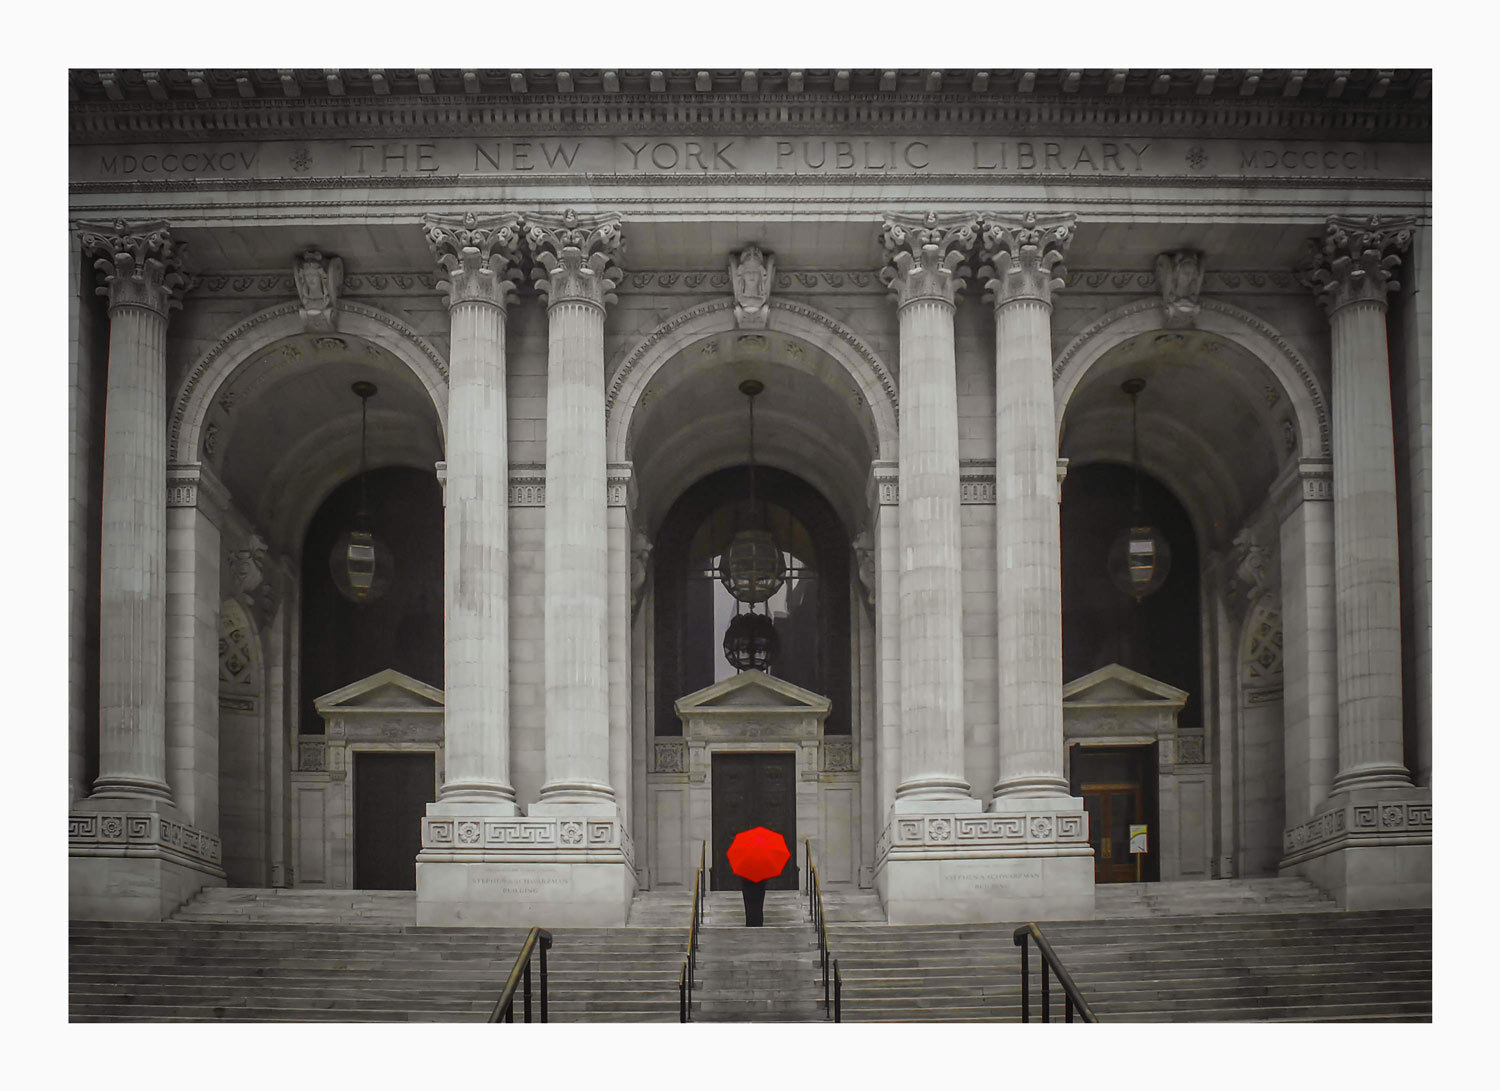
(1139, 557)
(752, 570)
(360, 563)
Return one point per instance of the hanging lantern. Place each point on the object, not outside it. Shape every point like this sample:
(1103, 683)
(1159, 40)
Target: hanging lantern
(360, 563)
(750, 642)
(752, 568)
(1139, 557)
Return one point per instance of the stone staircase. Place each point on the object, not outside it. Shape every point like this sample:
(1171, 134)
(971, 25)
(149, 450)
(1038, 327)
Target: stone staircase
(1210, 896)
(757, 975)
(303, 956)
(1247, 950)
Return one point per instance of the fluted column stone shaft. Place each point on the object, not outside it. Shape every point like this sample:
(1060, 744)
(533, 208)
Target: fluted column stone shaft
(577, 275)
(1024, 256)
(475, 255)
(141, 270)
(1350, 269)
(926, 271)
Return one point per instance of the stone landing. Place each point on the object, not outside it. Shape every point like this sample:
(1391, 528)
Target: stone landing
(549, 870)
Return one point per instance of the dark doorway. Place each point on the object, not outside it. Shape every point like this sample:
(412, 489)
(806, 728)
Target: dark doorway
(753, 790)
(391, 793)
(1118, 787)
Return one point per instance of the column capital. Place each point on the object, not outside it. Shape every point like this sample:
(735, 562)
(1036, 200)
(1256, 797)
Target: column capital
(927, 255)
(1355, 260)
(1023, 256)
(577, 256)
(475, 254)
(140, 264)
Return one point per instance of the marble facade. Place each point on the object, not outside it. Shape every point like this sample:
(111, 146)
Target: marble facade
(559, 280)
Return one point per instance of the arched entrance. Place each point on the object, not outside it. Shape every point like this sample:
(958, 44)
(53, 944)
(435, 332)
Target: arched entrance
(1227, 412)
(678, 419)
(267, 427)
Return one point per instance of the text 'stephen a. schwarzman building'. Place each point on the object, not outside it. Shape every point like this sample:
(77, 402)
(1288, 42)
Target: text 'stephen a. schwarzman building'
(500, 483)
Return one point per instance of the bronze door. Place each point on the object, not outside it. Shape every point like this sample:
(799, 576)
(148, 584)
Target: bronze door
(391, 793)
(753, 790)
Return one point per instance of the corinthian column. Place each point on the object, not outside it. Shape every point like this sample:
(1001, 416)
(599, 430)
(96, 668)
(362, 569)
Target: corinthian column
(1370, 844)
(141, 270)
(475, 257)
(1350, 271)
(577, 276)
(926, 271)
(1025, 266)
(132, 854)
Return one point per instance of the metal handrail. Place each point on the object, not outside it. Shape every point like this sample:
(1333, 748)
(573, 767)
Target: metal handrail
(1072, 998)
(520, 975)
(690, 964)
(828, 964)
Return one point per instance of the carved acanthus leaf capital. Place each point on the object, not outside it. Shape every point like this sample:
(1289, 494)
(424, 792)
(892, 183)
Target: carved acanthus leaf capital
(1179, 275)
(476, 256)
(927, 255)
(576, 255)
(1253, 575)
(253, 578)
(140, 264)
(1023, 256)
(318, 280)
(1355, 260)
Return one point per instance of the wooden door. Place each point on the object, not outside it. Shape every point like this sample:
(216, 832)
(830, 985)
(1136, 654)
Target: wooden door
(1113, 809)
(1116, 789)
(753, 790)
(391, 793)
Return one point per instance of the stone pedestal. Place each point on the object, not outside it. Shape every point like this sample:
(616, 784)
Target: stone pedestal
(1370, 849)
(1006, 867)
(136, 864)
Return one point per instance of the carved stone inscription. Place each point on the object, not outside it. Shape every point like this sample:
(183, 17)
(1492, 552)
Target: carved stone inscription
(728, 155)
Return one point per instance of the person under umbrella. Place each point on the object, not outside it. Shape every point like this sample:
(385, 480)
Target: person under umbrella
(757, 856)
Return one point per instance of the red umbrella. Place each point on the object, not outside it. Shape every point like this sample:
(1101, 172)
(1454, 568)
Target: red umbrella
(758, 854)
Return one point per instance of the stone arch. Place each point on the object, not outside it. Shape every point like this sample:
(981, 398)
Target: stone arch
(1253, 334)
(635, 369)
(214, 368)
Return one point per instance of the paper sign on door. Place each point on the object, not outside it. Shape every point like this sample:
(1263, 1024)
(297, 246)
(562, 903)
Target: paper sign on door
(1138, 839)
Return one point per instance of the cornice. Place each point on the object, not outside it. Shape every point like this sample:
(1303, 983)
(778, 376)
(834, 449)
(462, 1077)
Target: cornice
(188, 104)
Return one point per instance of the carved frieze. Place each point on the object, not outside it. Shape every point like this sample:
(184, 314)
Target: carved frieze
(1000, 834)
(521, 838)
(139, 264)
(1393, 822)
(838, 754)
(577, 256)
(319, 281)
(135, 834)
(751, 274)
(927, 256)
(1355, 260)
(1179, 275)
(1023, 256)
(476, 256)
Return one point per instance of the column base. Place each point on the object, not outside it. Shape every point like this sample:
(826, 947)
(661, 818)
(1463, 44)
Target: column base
(987, 868)
(1369, 849)
(546, 871)
(139, 864)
